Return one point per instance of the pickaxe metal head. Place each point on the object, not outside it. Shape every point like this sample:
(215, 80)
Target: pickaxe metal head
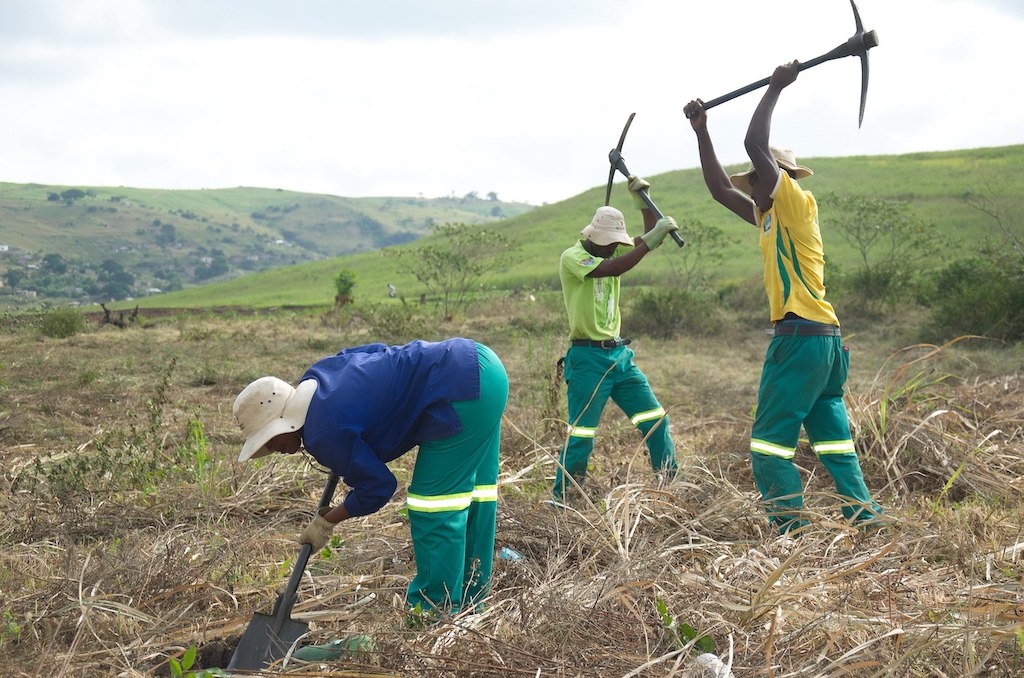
(617, 153)
(858, 45)
(866, 42)
(619, 165)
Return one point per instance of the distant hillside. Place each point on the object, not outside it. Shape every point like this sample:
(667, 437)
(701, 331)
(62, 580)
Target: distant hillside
(935, 185)
(87, 243)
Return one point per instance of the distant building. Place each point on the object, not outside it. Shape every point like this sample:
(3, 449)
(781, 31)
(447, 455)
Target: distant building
(4, 248)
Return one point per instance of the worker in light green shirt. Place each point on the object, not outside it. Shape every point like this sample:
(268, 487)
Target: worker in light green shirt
(599, 364)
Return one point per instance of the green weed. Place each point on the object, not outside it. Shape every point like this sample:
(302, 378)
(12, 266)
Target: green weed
(195, 455)
(683, 634)
(180, 669)
(10, 630)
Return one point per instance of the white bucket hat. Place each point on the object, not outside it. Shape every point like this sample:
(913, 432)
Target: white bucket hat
(269, 407)
(787, 161)
(608, 226)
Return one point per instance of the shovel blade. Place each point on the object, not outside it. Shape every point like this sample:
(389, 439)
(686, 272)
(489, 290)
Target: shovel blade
(266, 640)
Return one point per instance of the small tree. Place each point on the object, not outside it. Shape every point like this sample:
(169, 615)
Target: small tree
(454, 261)
(892, 247)
(694, 266)
(344, 282)
(54, 264)
(115, 281)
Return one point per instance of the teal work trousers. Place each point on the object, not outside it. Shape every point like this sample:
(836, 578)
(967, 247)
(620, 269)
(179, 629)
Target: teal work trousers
(802, 386)
(452, 502)
(592, 376)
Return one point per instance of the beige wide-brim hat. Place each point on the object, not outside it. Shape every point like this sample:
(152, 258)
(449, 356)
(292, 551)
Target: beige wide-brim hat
(269, 407)
(608, 226)
(787, 161)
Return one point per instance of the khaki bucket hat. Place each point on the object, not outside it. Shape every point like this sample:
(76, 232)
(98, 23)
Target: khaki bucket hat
(608, 226)
(787, 161)
(269, 407)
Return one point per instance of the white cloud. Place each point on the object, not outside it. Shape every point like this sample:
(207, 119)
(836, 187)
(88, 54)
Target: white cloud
(522, 98)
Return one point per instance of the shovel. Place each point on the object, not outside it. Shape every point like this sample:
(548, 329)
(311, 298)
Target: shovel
(269, 636)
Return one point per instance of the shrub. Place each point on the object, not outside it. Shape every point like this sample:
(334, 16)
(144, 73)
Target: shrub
(977, 295)
(395, 323)
(61, 323)
(663, 314)
(344, 283)
(746, 298)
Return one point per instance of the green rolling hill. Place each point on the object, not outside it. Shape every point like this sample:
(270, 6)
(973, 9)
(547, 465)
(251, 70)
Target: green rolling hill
(55, 239)
(936, 187)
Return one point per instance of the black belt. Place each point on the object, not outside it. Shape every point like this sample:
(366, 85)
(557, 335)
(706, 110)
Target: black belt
(604, 343)
(784, 329)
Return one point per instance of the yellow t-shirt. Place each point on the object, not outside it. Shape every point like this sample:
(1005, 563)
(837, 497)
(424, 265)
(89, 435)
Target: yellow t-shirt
(794, 257)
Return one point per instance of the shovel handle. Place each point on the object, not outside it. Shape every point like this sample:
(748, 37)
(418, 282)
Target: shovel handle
(283, 606)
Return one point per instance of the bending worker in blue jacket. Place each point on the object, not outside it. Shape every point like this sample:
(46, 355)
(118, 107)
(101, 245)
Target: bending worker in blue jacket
(358, 410)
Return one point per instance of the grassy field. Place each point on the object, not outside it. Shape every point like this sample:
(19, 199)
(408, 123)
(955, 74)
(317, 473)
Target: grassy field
(936, 186)
(132, 534)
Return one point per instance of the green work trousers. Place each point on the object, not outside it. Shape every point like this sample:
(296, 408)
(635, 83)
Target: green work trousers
(802, 386)
(452, 501)
(593, 375)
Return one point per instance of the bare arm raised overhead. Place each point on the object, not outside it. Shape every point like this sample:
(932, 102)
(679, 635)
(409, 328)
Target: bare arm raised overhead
(758, 132)
(715, 175)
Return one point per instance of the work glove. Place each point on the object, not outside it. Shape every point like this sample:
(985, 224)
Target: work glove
(637, 184)
(654, 236)
(318, 532)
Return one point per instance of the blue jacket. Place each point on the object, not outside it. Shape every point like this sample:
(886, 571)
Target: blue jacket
(374, 403)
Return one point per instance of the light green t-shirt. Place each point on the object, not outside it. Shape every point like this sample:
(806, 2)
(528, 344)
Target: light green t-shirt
(592, 303)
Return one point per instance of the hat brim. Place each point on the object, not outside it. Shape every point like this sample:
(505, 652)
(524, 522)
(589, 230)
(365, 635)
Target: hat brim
(292, 418)
(604, 238)
(742, 180)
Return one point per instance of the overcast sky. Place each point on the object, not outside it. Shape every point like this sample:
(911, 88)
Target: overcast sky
(521, 97)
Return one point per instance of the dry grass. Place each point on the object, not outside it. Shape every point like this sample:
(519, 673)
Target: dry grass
(146, 551)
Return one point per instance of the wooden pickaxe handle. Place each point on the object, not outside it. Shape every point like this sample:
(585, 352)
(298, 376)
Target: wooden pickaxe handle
(615, 158)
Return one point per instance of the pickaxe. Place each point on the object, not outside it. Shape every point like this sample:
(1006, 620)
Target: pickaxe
(858, 45)
(615, 158)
